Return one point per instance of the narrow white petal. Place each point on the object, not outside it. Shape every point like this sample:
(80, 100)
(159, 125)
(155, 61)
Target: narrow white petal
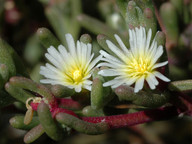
(87, 76)
(121, 44)
(120, 82)
(149, 34)
(130, 81)
(111, 82)
(158, 53)
(52, 68)
(143, 43)
(116, 50)
(88, 87)
(55, 54)
(94, 62)
(162, 77)
(46, 81)
(159, 65)
(153, 50)
(89, 47)
(108, 72)
(54, 77)
(87, 82)
(78, 50)
(106, 64)
(139, 84)
(71, 44)
(132, 41)
(139, 39)
(78, 88)
(113, 62)
(52, 60)
(88, 62)
(63, 51)
(153, 79)
(108, 56)
(83, 58)
(50, 81)
(45, 69)
(151, 84)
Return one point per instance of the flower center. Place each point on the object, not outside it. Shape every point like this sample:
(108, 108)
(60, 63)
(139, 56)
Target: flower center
(77, 75)
(140, 66)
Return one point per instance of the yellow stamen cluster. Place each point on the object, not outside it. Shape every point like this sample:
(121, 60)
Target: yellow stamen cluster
(139, 67)
(77, 75)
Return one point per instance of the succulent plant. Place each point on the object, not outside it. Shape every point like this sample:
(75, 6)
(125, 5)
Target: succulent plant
(84, 92)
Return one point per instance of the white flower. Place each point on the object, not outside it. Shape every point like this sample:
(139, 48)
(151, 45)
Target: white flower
(134, 65)
(72, 69)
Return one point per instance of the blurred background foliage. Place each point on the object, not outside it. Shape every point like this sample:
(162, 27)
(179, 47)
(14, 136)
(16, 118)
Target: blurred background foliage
(19, 24)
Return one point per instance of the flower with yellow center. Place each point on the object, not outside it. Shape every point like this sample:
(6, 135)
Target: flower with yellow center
(71, 68)
(134, 65)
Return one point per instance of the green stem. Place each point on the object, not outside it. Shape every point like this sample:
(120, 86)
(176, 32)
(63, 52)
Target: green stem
(47, 122)
(80, 125)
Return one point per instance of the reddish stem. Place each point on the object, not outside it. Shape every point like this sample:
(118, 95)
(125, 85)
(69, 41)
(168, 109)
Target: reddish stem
(69, 104)
(183, 102)
(124, 120)
(159, 19)
(54, 108)
(61, 110)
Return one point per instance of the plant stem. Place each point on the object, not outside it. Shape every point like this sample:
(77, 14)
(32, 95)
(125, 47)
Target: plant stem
(124, 120)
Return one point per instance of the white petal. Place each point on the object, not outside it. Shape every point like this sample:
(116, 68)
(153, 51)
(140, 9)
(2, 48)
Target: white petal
(83, 54)
(79, 50)
(87, 76)
(88, 87)
(46, 81)
(111, 82)
(158, 53)
(108, 72)
(94, 62)
(116, 50)
(153, 79)
(51, 76)
(55, 54)
(162, 77)
(50, 81)
(113, 62)
(89, 47)
(110, 57)
(52, 60)
(153, 49)
(87, 82)
(52, 68)
(130, 81)
(88, 62)
(132, 41)
(121, 44)
(139, 39)
(139, 84)
(71, 44)
(45, 70)
(149, 34)
(107, 65)
(150, 82)
(159, 65)
(143, 40)
(78, 88)
(63, 51)
(120, 82)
